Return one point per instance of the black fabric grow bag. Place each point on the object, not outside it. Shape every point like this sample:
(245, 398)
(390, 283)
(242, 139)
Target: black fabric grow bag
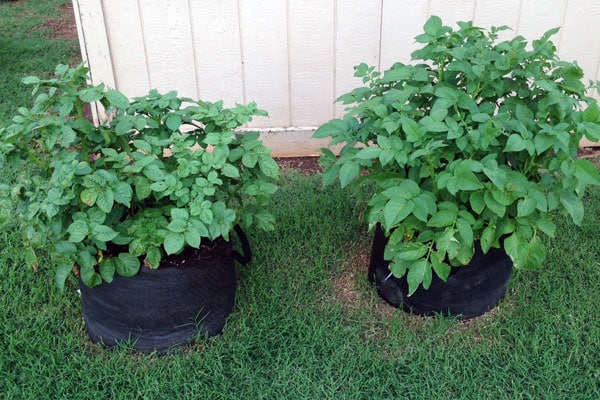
(469, 291)
(190, 294)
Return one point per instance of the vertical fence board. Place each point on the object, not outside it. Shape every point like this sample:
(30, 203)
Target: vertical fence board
(311, 60)
(265, 59)
(401, 21)
(490, 13)
(94, 44)
(452, 11)
(579, 42)
(535, 22)
(94, 41)
(356, 41)
(295, 57)
(127, 47)
(168, 43)
(217, 50)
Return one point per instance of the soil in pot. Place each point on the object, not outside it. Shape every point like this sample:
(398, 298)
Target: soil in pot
(190, 294)
(469, 291)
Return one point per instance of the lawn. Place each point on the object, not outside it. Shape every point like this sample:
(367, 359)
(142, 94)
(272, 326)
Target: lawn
(307, 323)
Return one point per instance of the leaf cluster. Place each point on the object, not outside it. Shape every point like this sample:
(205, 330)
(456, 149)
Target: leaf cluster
(159, 174)
(476, 140)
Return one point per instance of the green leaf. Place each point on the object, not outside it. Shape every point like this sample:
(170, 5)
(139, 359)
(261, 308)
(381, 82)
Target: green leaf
(31, 80)
(442, 218)
(465, 230)
(177, 225)
(78, 230)
(467, 181)
(127, 265)
(83, 168)
(230, 171)
(66, 248)
(117, 99)
(488, 236)
(442, 270)
(249, 160)
(398, 267)
(433, 26)
(493, 204)
(476, 200)
(63, 270)
(480, 117)
(348, 172)
(546, 225)
(180, 213)
(367, 153)
(525, 254)
(105, 200)
(526, 206)
(586, 172)
(418, 273)
(153, 257)
(424, 205)
(174, 242)
(192, 237)
(265, 220)
(409, 188)
(103, 233)
(90, 95)
(123, 193)
(143, 188)
(543, 142)
(331, 129)
(268, 166)
(153, 172)
(515, 143)
(503, 197)
(496, 175)
(396, 210)
(87, 272)
(89, 196)
(573, 206)
(107, 269)
(398, 73)
(412, 130)
(380, 110)
(173, 122)
(411, 251)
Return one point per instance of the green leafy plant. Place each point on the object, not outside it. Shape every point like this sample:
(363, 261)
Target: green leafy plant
(159, 174)
(475, 141)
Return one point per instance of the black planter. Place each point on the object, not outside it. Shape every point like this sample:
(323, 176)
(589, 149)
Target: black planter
(168, 306)
(469, 291)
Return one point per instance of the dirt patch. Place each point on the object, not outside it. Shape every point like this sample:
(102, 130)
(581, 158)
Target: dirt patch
(307, 165)
(589, 152)
(62, 26)
(351, 288)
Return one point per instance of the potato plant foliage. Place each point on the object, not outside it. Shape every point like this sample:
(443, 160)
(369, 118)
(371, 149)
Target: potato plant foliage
(475, 140)
(161, 173)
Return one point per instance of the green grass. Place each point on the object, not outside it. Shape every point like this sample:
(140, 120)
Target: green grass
(297, 334)
(27, 47)
(307, 324)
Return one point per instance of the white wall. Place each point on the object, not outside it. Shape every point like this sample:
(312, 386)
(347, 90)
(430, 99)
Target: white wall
(294, 57)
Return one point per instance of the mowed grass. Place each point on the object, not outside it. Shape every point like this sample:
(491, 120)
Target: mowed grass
(307, 324)
(31, 43)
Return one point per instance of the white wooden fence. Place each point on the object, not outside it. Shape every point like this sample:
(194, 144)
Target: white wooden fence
(294, 57)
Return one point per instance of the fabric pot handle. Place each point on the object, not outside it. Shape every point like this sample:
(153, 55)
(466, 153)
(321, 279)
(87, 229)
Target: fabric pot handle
(246, 255)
